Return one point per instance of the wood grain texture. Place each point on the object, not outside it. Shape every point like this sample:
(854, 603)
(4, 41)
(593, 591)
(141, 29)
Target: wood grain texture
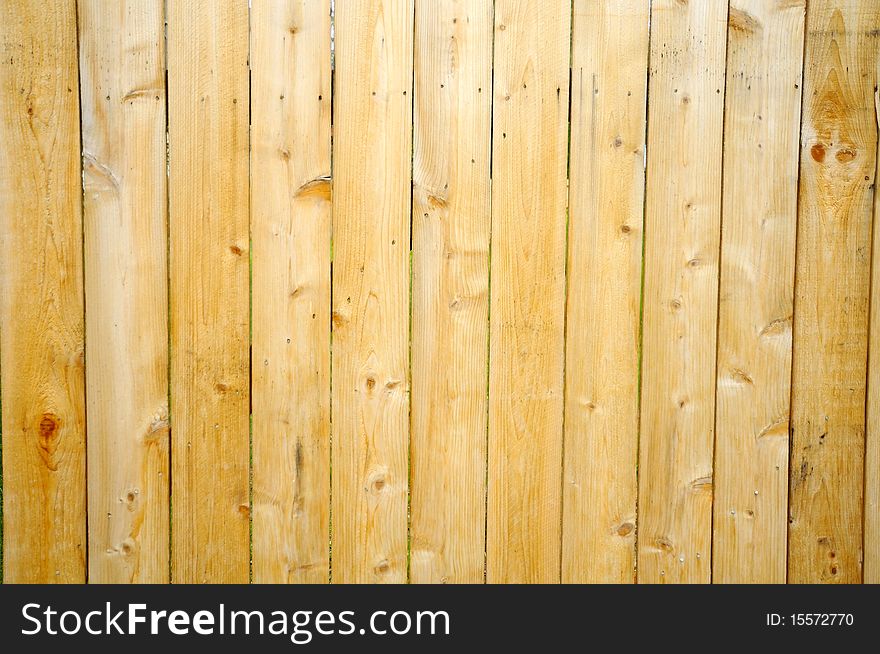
(607, 184)
(451, 221)
(871, 556)
(208, 145)
(122, 72)
(41, 296)
(372, 159)
(682, 231)
(290, 225)
(762, 127)
(838, 163)
(529, 202)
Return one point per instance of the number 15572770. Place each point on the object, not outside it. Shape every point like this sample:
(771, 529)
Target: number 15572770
(810, 620)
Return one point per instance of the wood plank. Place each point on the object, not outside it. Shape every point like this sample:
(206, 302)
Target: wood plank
(122, 72)
(832, 280)
(41, 296)
(682, 231)
(451, 221)
(529, 201)
(607, 184)
(208, 145)
(290, 225)
(871, 571)
(762, 127)
(371, 226)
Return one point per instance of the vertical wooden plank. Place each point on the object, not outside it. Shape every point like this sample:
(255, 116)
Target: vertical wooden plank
(451, 221)
(208, 145)
(122, 69)
(682, 231)
(871, 556)
(372, 159)
(290, 224)
(607, 183)
(529, 200)
(41, 296)
(838, 161)
(762, 126)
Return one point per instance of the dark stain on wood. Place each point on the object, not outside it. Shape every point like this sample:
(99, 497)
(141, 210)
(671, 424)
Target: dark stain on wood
(742, 21)
(315, 189)
(49, 429)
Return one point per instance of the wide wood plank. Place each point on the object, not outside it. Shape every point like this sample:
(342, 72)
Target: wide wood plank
(607, 184)
(41, 296)
(762, 126)
(290, 226)
(682, 231)
(838, 163)
(529, 201)
(122, 72)
(372, 155)
(208, 145)
(451, 216)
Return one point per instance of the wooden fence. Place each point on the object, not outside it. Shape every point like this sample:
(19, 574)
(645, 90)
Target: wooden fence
(591, 300)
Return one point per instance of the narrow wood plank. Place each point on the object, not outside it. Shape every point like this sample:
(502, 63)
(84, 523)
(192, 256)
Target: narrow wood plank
(372, 159)
(208, 145)
(529, 201)
(871, 556)
(451, 221)
(762, 127)
(290, 225)
(682, 231)
(607, 184)
(41, 296)
(122, 73)
(838, 162)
